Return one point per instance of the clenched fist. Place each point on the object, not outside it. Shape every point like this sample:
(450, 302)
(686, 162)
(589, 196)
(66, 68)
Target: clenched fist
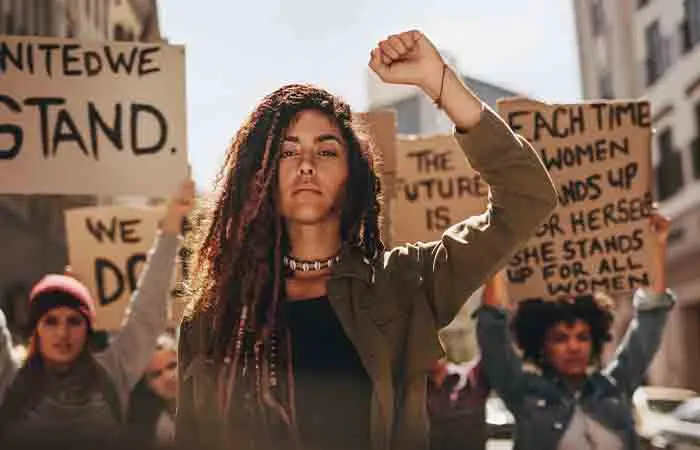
(409, 58)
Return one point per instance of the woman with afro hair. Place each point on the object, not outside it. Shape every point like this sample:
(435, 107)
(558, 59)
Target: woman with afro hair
(305, 333)
(566, 399)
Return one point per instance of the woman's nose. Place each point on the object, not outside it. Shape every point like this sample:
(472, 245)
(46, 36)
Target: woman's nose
(307, 164)
(62, 330)
(574, 345)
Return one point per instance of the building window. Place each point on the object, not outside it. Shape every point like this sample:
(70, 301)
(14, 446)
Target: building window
(658, 54)
(695, 144)
(676, 235)
(690, 25)
(99, 12)
(408, 115)
(669, 172)
(105, 17)
(39, 210)
(597, 17)
(70, 28)
(605, 86)
(26, 28)
(10, 24)
(119, 33)
(38, 17)
(47, 16)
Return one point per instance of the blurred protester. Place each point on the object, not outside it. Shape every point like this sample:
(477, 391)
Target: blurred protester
(151, 416)
(570, 402)
(64, 396)
(457, 395)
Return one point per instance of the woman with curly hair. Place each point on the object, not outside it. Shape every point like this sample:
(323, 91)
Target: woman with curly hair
(305, 332)
(570, 402)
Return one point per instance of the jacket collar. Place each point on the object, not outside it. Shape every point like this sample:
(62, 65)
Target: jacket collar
(596, 384)
(353, 264)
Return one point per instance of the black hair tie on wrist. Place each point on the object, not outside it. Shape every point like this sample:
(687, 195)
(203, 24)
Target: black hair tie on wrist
(438, 100)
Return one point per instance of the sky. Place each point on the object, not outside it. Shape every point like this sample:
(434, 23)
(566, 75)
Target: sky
(237, 51)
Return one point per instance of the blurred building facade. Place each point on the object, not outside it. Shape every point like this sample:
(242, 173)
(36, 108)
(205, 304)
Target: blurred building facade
(650, 49)
(32, 232)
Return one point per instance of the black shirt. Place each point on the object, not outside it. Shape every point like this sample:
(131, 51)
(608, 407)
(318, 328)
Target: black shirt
(332, 388)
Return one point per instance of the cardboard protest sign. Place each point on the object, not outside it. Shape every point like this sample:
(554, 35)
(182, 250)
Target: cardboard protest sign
(381, 125)
(91, 117)
(598, 239)
(108, 248)
(435, 188)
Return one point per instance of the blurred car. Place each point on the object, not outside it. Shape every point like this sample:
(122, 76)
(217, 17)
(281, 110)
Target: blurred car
(653, 407)
(682, 431)
(500, 422)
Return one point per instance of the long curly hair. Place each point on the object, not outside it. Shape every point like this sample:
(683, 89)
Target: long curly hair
(534, 317)
(243, 239)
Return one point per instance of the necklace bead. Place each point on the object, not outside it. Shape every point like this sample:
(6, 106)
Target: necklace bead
(308, 266)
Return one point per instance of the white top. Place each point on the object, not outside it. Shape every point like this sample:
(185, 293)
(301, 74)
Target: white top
(165, 429)
(585, 433)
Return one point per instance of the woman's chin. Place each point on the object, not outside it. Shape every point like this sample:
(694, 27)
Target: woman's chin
(60, 360)
(574, 372)
(310, 216)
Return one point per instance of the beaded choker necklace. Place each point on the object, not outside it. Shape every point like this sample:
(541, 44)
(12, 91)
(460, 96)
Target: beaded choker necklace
(298, 265)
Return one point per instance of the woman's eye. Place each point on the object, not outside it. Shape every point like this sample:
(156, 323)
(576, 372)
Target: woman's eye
(51, 321)
(75, 321)
(288, 151)
(559, 338)
(328, 152)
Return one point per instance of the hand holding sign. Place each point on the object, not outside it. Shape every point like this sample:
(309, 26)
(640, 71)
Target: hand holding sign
(660, 226)
(178, 207)
(108, 248)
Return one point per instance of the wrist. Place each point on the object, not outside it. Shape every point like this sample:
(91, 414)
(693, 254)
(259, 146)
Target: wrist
(434, 82)
(659, 284)
(658, 290)
(170, 225)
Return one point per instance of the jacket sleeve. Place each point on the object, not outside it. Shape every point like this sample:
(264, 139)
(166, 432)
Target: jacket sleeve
(521, 196)
(642, 339)
(8, 362)
(502, 366)
(128, 355)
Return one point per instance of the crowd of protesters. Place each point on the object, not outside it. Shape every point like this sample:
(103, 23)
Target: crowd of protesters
(305, 333)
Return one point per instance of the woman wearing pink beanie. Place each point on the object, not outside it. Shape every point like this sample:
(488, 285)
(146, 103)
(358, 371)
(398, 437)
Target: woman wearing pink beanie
(64, 395)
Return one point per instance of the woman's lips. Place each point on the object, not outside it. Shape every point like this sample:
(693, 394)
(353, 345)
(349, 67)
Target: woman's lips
(63, 347)
(307, 190)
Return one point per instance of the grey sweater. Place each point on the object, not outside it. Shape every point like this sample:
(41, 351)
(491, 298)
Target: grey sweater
(125, 359)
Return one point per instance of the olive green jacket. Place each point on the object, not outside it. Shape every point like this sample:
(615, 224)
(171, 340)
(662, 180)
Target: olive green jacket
(392, 308)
